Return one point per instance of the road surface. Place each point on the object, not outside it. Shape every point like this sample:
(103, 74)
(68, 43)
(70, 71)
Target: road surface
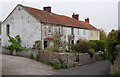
(98, 68)
(13, 65)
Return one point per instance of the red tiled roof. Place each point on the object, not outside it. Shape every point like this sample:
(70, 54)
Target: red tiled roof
(53, 18)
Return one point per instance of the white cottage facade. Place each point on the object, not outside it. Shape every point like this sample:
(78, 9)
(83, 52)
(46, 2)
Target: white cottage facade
(34, 24)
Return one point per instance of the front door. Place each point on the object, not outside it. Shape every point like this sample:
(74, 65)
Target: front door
(45, 44)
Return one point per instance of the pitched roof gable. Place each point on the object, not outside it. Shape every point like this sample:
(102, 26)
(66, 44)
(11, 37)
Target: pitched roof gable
(53, 18)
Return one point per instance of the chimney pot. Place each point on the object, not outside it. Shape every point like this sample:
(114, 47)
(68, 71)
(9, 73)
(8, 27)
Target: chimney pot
(75, 16)
(47, 9)
(87, 20)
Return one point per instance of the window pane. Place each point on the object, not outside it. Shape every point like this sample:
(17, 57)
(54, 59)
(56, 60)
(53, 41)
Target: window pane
(49, 29)
(72, 31)
(8, 29)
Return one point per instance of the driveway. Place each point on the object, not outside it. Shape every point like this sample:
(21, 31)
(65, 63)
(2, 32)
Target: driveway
(99, 68)
(13, 65)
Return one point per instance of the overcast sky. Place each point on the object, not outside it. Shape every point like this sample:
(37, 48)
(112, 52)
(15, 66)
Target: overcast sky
(102, 13)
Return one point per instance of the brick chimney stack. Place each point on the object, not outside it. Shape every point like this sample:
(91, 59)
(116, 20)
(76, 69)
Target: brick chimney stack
(87, 20)
(48, 9)
(75, 16)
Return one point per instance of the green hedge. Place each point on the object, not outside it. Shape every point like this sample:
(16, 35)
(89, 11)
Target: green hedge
(82, 46)
(98, 45)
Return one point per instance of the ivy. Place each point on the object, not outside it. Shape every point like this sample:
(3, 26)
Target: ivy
(15, 44)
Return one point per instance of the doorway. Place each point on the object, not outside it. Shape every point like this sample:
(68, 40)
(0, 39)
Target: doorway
(45, 44)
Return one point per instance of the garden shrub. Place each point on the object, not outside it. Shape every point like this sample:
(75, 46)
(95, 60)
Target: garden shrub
(15, 44)
(112, 41)
(116, 74)
(93, 45)
(57, 66)
(31, 56)
(37, 57)
(100, 45)
(52, 49)
(63, 65)
(91, 52)
(37, 45)
(82, 46)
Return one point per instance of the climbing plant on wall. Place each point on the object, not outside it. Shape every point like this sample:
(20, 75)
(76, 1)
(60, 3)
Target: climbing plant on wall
(15, 44)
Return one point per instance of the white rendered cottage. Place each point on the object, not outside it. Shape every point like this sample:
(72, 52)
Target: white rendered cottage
(34, 24)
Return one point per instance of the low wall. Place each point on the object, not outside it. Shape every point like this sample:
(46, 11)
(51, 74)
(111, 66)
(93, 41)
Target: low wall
(68, 58)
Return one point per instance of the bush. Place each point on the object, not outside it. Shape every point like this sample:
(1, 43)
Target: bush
(15, 44)
(37, 57)
(37, 45)
(93, 45)
(116, 74)
(52, 49)
(63, 65)
(112, 42)
(31, 56)
(100, 45)
(57, 66)
(92, 51)
(82, 46)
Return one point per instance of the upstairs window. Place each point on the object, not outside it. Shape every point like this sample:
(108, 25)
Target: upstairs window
(49, 30)
(91, 34)
(97, 33)
(78, 32)
(8, 29)
(84, 32)
(72, 31)
(60, 30)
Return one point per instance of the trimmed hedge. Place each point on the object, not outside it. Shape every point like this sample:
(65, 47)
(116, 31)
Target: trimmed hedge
(82, 46)
(98, 45)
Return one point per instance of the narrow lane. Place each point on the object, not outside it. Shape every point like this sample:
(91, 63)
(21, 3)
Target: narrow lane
(99, 68)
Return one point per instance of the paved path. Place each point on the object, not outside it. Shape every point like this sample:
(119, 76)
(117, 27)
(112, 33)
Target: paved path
(99, 68)
(13, 65)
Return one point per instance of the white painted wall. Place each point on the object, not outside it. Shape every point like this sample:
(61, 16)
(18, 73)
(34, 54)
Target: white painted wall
(80, 34)
(67, 31)
(23, 24)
